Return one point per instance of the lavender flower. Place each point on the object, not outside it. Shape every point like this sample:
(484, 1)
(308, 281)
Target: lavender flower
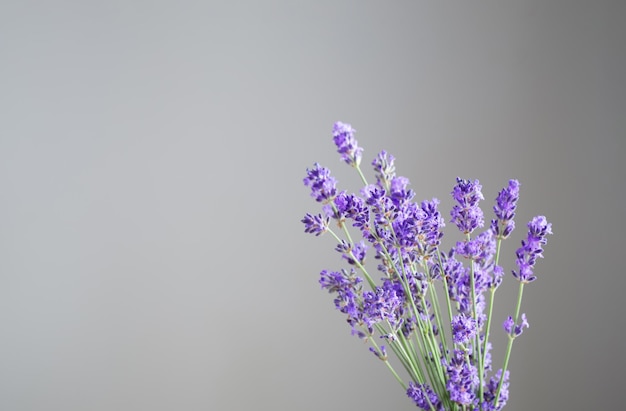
(497, 276)
(381, 354)
(348, 287)
(350, 252)
(351, 207)
(381, 206)
(390, 337)
(463, 329)
(467, 215)
(515, 330)
(505, 206)
(322, 184)
(384, 304)
(384, 168)
(491, 392)
(347, 146)
(468, 249)
(460, 287)
(422, 394)
(531, 249)
(315, 224)
(462, 378)
(430, 223)
(405, 238)
(508, 324)
(433, 221)
(398, 191)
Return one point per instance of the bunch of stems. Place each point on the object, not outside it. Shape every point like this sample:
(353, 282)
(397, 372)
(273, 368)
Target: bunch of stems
(420, 352)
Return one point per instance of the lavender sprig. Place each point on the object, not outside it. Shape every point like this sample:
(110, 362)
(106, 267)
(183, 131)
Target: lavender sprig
(447, 359)
(347, 146)
(527, 254)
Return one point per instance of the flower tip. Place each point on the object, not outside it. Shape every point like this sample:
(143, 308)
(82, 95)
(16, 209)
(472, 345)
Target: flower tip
(347, 146)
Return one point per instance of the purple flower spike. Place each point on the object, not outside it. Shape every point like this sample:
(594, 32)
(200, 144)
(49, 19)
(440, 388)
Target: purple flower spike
(467, 215)
(352, 207)
(421, 394)
(382, 354)
(498, 274)
(384, 167)
(348, 287)
(347, 146)
(520, 327)
(492, 389)
(348, 251)
(506, 203)
(508, 325)
(462, 379)
(463, 329)
(431, 224)
(315, 224)
(515, 330)
(398, 191)
(531, 249)
(323, 185)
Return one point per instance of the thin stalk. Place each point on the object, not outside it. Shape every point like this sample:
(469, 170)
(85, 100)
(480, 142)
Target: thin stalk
(399, 348)
(395, 374)
(433, 296)
(432, 340)
(446, 292)
(492, 294)
(510, 344)
(410, 348)
(363, 179)
(476, 345)
(371, 282)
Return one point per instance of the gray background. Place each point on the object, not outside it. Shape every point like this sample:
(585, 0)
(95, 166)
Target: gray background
(151, 154)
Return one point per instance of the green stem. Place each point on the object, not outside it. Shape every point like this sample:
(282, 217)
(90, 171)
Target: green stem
(415, 371)
(412, 367)
(342, 224)
(492, 295)
(395, 374)
(435, 299)
(476, 345)
(492, 292)
(510, 344)
(369, 279)
(363, 179)
(446, 292)
(400, 349)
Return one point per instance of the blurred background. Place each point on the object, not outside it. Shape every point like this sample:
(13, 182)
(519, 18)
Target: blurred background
(151, 164)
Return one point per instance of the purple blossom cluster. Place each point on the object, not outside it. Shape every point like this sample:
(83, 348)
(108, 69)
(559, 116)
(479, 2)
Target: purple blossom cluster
(491, 392)
(464, 328)
(462, 379)
(315, 224)
(323, 186)
(384, 168)
(347, 146)
(466, 214)
(404, 237)
(515, 329)
(423, 396)
(532, 248)
(504, 209)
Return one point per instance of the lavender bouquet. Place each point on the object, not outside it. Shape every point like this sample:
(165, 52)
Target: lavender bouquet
(440, 336)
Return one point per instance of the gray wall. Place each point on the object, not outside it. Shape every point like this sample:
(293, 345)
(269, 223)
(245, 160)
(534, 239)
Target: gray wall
(151, 155)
